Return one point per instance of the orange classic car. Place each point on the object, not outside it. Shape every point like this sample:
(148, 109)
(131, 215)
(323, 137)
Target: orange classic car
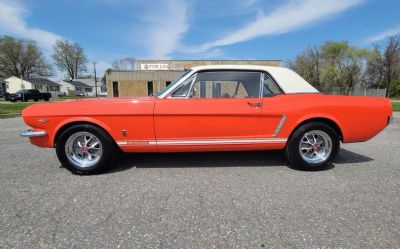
(210, 108)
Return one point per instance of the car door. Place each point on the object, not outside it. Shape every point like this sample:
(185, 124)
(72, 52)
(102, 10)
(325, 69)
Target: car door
(212, 110)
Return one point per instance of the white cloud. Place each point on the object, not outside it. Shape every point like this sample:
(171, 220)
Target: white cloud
(383, 35)
(163, 27)
(294, 15)
(12, 22)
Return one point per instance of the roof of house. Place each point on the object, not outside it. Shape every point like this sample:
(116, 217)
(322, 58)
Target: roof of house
(41, 81)
(88, 81)
(78, 83)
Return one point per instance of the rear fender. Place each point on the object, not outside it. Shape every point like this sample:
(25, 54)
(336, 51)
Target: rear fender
(320, 116)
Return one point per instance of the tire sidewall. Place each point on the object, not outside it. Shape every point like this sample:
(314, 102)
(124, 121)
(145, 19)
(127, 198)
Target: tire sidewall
(106, 143)
(294, 142)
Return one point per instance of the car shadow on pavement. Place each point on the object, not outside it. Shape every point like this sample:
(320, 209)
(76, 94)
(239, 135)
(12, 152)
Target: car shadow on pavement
(347, 157)
(200, 159)
(219, 159)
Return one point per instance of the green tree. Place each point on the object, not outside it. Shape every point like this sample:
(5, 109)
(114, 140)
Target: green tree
(343, 64)
(22, 57)
(334, 64)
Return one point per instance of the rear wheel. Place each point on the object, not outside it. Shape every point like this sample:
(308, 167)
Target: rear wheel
(85, 149)
(313, 146)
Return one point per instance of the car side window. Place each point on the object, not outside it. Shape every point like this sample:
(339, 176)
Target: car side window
(270, 87)
(183, 90)
(226, 84)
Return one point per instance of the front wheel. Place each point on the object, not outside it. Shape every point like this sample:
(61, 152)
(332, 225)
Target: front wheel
(85, 149)
(313, 146)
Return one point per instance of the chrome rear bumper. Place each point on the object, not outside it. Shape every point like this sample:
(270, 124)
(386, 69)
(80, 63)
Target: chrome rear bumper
(30, 133)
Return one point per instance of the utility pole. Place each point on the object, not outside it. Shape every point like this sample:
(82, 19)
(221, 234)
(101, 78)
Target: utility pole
(95, 78)
(23, 88)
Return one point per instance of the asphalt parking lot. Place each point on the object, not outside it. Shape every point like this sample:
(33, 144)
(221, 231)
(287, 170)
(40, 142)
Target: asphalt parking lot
(201, 200)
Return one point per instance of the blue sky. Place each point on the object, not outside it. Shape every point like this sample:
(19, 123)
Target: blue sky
(198, 29)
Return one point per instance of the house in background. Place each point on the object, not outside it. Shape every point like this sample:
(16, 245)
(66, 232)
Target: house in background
(14, 84)
(90, 82)
(75, 87)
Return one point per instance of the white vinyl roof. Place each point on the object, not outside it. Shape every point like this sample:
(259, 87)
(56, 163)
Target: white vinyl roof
(288, 80)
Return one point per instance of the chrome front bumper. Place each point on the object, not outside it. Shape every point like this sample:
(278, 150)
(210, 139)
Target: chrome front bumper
(30, 133)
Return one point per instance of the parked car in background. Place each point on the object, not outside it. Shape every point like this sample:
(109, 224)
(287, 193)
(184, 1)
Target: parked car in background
(28, 94)
(210, 108)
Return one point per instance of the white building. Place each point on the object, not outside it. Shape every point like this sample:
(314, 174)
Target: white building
(91, 83)
(14, 84)
(81, 86)
(75, 87)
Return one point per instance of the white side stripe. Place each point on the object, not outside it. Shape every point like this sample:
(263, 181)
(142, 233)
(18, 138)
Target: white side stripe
(203, 141)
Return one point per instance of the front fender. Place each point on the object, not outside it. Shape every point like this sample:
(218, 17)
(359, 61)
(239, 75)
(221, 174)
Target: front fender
(72, 120)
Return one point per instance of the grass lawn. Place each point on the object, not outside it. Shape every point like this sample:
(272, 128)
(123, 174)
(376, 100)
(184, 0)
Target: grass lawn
(12, 110)
(396, 106)
(73, 97)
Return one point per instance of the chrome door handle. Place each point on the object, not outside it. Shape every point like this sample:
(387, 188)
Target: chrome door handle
(255, 104)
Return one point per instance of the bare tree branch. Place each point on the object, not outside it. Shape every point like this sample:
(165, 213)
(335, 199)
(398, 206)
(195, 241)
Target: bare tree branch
(127, 63)
(69, 57)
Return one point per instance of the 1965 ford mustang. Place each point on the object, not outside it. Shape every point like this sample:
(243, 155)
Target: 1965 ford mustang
(210, 108)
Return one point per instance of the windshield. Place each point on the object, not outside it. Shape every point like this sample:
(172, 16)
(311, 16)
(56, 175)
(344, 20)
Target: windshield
(172, 83)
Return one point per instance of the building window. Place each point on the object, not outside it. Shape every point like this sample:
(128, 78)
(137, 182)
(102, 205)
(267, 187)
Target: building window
(149, 88)
(216, 92)
(54, 88)
(38, 87)
(203, 89)
(88, 90)
(115, 89)
(167, 83)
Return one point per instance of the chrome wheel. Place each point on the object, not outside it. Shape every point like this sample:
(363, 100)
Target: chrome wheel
(315, 146)
(83, 149)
